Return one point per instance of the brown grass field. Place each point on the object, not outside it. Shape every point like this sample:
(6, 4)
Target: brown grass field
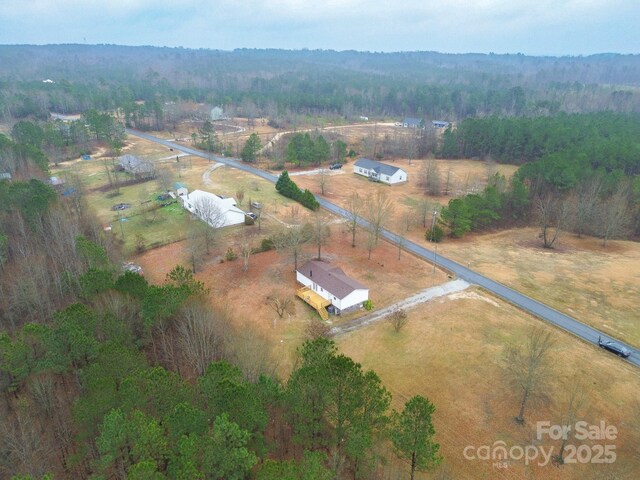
(451, 349)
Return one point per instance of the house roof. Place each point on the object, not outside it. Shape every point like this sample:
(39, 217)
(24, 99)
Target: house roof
(227, 205)
(134, 164)
(413, 122)
(379, 168)
(331, 278)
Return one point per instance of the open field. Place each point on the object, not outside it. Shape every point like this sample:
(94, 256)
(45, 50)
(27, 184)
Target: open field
(599, 286)
(451, 352)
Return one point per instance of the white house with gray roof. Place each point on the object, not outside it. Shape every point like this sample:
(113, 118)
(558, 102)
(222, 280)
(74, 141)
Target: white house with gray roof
(332, 284)
(379, 172)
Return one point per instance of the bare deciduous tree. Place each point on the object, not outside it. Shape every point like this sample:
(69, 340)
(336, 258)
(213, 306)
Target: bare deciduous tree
(584, 205)
(202, 335)
(574, 402)
(323, 179)
(209, 212)
(291, 240)
(321, 230)
(553, 216)
(423, 209)
(245, 253)
(353, 208)
(281, 303)
(614, 217)
(398, 319)
(528, 366)
(316, 329)
(378, 208)
(197, 243)
(430, 177)
(240, 195)
(25, 449)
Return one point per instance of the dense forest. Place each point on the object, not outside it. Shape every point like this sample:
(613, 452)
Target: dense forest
(280, 83)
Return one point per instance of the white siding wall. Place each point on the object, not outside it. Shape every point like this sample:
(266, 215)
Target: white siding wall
(398, 177)
(354, 298)
(316, 288)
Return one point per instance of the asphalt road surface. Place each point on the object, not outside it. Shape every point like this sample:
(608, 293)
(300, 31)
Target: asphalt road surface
(524, 302)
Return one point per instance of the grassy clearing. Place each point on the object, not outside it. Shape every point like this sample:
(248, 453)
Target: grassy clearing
(451, 352)
(596, 285)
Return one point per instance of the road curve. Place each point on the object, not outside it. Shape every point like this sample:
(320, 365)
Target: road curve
(512, 296)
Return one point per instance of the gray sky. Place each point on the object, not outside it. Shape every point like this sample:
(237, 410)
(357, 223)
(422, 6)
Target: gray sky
(533, 27)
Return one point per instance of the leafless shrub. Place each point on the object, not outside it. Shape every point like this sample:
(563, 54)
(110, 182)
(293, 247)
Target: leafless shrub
(398, 319)
(281, 303)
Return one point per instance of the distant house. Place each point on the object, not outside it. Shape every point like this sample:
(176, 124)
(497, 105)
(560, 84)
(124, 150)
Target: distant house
(413, 123)
(56, 182)
(135, 166)
(379, 172)
(217, 113)
(213, 209)
(5, 176)
(440, 124)
(326, 284)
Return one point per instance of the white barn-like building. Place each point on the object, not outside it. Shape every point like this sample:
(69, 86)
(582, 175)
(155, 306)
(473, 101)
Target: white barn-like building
(215, 210)
(332, 284)
(379, 172)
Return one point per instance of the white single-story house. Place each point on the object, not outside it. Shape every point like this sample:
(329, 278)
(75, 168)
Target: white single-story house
(379, 172)
(332, 284)
(410, 122)
(213, 209)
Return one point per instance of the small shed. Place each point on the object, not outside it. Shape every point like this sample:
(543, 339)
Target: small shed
(180, 188)
(410, 122)
(440, 124)
(379, 172)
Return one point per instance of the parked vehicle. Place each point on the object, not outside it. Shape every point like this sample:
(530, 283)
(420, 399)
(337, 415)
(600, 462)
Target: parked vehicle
(335, 166)
(614, 347)
(120, 206)
(132, 267)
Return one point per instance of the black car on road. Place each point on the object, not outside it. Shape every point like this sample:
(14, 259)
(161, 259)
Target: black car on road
(614, 347)
(335, 166)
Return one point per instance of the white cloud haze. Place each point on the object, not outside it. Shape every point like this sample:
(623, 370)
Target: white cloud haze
(537, 27)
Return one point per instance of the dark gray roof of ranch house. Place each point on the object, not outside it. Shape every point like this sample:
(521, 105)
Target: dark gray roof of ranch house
(380, 168)
(331, 278)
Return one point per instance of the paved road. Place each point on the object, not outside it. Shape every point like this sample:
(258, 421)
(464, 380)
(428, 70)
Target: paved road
(524, 302)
